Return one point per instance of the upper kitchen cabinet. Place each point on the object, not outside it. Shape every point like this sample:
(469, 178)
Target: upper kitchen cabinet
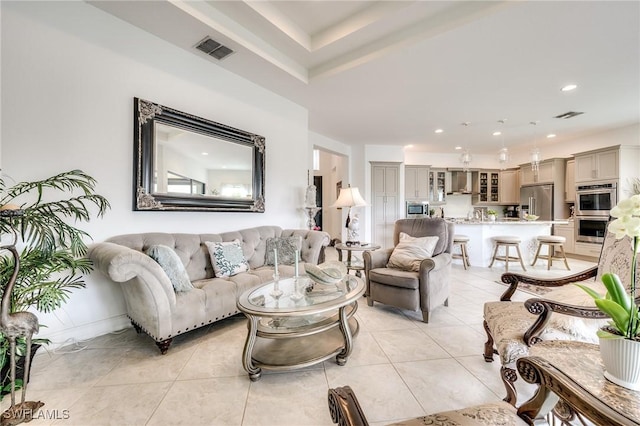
(486, 187)
(570, 182)
(596, 165)
(546, 170)
(618, 162)
(437, 186)
(416, 182)
(510, 187)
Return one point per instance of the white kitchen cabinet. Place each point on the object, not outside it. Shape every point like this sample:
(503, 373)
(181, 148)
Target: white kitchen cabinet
(570, 182)
(509, 187)
(385, 209)
(567, 231)
(416, 182)
(588, 249)
(486, 187)
(545, 173)
(438, 186)
(596, 165)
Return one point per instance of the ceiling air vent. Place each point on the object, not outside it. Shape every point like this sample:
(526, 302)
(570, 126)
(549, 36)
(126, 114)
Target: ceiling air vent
(569, 114)
(213, 48)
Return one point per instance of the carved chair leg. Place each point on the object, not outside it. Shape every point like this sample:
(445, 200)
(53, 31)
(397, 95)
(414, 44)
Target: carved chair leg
(488, 345)
(509, 376)
(164, 345)
(344, 407)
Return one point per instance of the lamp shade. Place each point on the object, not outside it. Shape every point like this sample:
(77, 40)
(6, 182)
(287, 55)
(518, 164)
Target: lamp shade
(349, 197)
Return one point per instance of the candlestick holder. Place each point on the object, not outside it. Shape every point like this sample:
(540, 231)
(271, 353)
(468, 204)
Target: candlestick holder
(276, 293)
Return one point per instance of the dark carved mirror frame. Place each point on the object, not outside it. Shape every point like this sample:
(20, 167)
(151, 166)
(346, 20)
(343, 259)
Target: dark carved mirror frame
(146, 114)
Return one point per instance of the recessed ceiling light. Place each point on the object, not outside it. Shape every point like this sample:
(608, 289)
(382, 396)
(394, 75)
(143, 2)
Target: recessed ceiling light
(497, 133)
(408, 146)
(205, 153)
(569, 87)
(439, 131)
(551, 135)
(458, 147)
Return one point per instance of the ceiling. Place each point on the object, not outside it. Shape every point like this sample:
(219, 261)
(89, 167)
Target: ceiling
(392, 72)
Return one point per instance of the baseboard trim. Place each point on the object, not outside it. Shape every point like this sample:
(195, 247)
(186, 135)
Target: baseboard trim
(84, 332)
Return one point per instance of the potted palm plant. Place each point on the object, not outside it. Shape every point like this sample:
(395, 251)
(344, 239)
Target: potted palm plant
(620, 341)
(52, 262)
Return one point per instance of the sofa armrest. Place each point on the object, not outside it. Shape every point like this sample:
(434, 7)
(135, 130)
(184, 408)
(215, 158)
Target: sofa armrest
(313, 244)
(123, 264)
(513, 279)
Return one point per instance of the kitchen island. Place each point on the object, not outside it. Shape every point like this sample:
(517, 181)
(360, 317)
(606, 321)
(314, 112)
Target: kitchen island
(480, 233)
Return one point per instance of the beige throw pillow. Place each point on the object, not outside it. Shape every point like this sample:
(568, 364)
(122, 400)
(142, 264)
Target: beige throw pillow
(410, 251)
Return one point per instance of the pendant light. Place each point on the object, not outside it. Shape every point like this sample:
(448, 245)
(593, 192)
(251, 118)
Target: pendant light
(535, 152)
(465, 157)
(503, 154)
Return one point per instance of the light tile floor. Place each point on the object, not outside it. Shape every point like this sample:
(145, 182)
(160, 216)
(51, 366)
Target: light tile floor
(400, 368)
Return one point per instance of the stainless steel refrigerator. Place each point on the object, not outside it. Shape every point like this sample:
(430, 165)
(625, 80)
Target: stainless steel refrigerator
(538, 200)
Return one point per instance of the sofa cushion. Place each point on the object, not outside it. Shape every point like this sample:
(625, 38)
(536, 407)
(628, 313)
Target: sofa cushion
(172, 266)
(410, 251)
(227, 258)
(286, 246)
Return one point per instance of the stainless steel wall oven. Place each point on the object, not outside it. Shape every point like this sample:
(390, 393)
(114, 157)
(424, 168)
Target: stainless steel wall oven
(596, 199)
(591, 229)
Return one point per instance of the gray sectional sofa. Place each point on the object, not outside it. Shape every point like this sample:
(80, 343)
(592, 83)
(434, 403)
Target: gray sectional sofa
(157, 309)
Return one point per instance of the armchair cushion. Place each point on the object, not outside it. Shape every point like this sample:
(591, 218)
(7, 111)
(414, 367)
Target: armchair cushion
(410, 251)
(508, 321)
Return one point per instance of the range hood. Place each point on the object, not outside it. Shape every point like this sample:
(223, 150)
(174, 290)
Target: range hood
(460, 182)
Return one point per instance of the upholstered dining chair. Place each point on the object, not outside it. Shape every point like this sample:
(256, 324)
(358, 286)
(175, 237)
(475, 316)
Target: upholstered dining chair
(566, 313)
(422, 287)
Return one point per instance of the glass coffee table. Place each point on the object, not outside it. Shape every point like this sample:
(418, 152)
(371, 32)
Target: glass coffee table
(289, 329)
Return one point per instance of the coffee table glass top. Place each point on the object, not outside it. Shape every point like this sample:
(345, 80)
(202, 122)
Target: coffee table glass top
(311, 297)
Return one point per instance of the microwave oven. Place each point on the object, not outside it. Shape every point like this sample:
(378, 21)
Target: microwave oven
(417, 209)
(596, 200)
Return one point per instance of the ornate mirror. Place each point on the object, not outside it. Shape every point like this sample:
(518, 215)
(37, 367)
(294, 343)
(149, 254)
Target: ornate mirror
(183, 162)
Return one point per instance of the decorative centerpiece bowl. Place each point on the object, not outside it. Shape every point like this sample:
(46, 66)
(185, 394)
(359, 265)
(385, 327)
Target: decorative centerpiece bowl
(531, 217)
(327, 273)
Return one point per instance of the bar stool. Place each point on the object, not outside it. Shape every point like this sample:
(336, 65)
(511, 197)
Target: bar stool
(507, 241)
(462, 241)
(552, 242)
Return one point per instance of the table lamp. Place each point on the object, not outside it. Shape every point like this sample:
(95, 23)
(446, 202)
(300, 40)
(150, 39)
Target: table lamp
(350, 197)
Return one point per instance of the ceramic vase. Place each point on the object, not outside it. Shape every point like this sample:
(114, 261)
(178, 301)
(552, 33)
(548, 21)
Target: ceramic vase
(621, 358)
(492, 218)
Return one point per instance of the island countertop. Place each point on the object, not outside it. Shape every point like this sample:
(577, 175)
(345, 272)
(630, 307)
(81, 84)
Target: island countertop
(508, 222)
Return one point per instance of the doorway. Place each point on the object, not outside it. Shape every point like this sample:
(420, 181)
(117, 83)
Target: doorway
(331, 169)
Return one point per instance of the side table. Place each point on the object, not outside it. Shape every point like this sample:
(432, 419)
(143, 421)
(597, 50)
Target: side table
(352, 262)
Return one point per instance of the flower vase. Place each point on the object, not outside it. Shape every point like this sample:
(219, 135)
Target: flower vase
(492, 218)
(621, 359)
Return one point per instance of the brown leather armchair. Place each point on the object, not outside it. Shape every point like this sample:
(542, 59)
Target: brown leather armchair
(423, 290)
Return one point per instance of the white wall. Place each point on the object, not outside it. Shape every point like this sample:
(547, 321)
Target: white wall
(69, 76)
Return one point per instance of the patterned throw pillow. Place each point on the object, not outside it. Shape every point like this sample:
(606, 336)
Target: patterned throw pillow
(227, 258)
(410, 251)
(286, 247)
(172, 266)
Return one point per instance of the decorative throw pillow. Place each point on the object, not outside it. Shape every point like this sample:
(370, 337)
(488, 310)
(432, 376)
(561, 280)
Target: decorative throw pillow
(172, 266)
(227, 258)
(410, 251)
(286, 247)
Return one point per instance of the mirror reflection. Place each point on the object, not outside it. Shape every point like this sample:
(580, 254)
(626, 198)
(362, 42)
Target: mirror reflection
(187, 162)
